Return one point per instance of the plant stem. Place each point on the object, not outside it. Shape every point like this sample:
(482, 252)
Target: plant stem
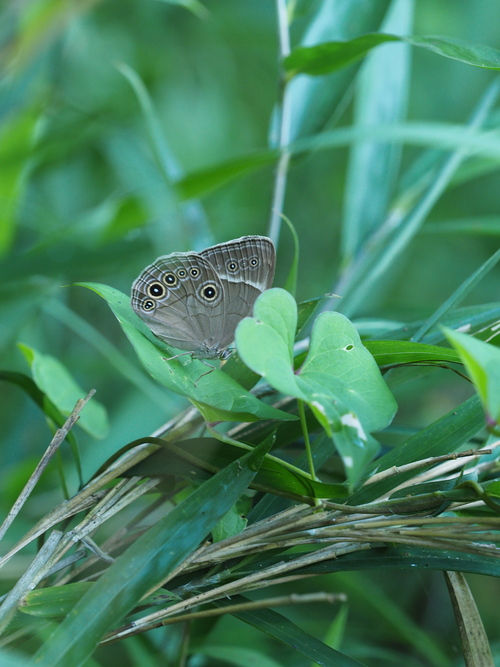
(282, 121)
(307, 442)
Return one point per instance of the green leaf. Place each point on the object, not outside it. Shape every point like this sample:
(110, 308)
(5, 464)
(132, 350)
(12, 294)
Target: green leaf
(482, 362)
(236, 656)
(189, 216)
(443, 436)
(285, 631)
(402, 558)
(215, 394)
(314, 102)
(208, 454)
(305, 310)
(291, 280)
(388, 244)
(232, 523)
(459, 294)
(54, 380)
(146, 563)
(55, 601)
(475, 642)
(381, 98)
(330, 56)
(41, 399)
(339, 380)
(477, 55)
(480, 225)
(390, 353)
(194, 6)
(265, 341)
(205, 180)
(14, 659)
(339, 363)
(16, 137)
(436, 135)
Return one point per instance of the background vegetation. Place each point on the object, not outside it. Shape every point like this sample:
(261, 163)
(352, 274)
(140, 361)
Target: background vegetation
(114, 117)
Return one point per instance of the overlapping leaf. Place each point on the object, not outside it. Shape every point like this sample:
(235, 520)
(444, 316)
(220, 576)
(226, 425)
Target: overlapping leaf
(340, 380)
(217, 395)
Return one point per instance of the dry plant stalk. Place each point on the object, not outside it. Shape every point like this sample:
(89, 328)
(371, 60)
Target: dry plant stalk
(325, 532)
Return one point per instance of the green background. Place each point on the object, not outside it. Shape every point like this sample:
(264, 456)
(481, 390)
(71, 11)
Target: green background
(82, 198)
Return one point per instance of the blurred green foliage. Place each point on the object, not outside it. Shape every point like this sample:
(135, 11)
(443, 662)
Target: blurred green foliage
(88, 192)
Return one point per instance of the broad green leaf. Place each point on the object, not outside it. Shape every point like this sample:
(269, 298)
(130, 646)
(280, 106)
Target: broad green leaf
(482, 362)
(54, 380)
(339, 380)
(330, 56)
(265, 341)
(215, 394)
(146, 563)
(339, 363)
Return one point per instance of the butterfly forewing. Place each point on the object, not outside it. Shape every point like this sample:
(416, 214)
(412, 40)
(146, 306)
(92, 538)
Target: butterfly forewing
(194, 301)
(180, 297)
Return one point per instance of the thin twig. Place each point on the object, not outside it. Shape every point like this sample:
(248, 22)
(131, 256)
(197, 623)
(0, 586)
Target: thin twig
(54, 445)
(397, 470)
(29, 579)
(281, 601)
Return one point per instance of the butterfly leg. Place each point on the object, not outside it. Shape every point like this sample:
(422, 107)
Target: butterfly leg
(212, 368)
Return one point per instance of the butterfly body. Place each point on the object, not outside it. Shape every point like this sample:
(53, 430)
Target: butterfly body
(194, 301)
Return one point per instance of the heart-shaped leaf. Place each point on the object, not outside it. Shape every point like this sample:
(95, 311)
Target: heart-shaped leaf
(339, 380)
